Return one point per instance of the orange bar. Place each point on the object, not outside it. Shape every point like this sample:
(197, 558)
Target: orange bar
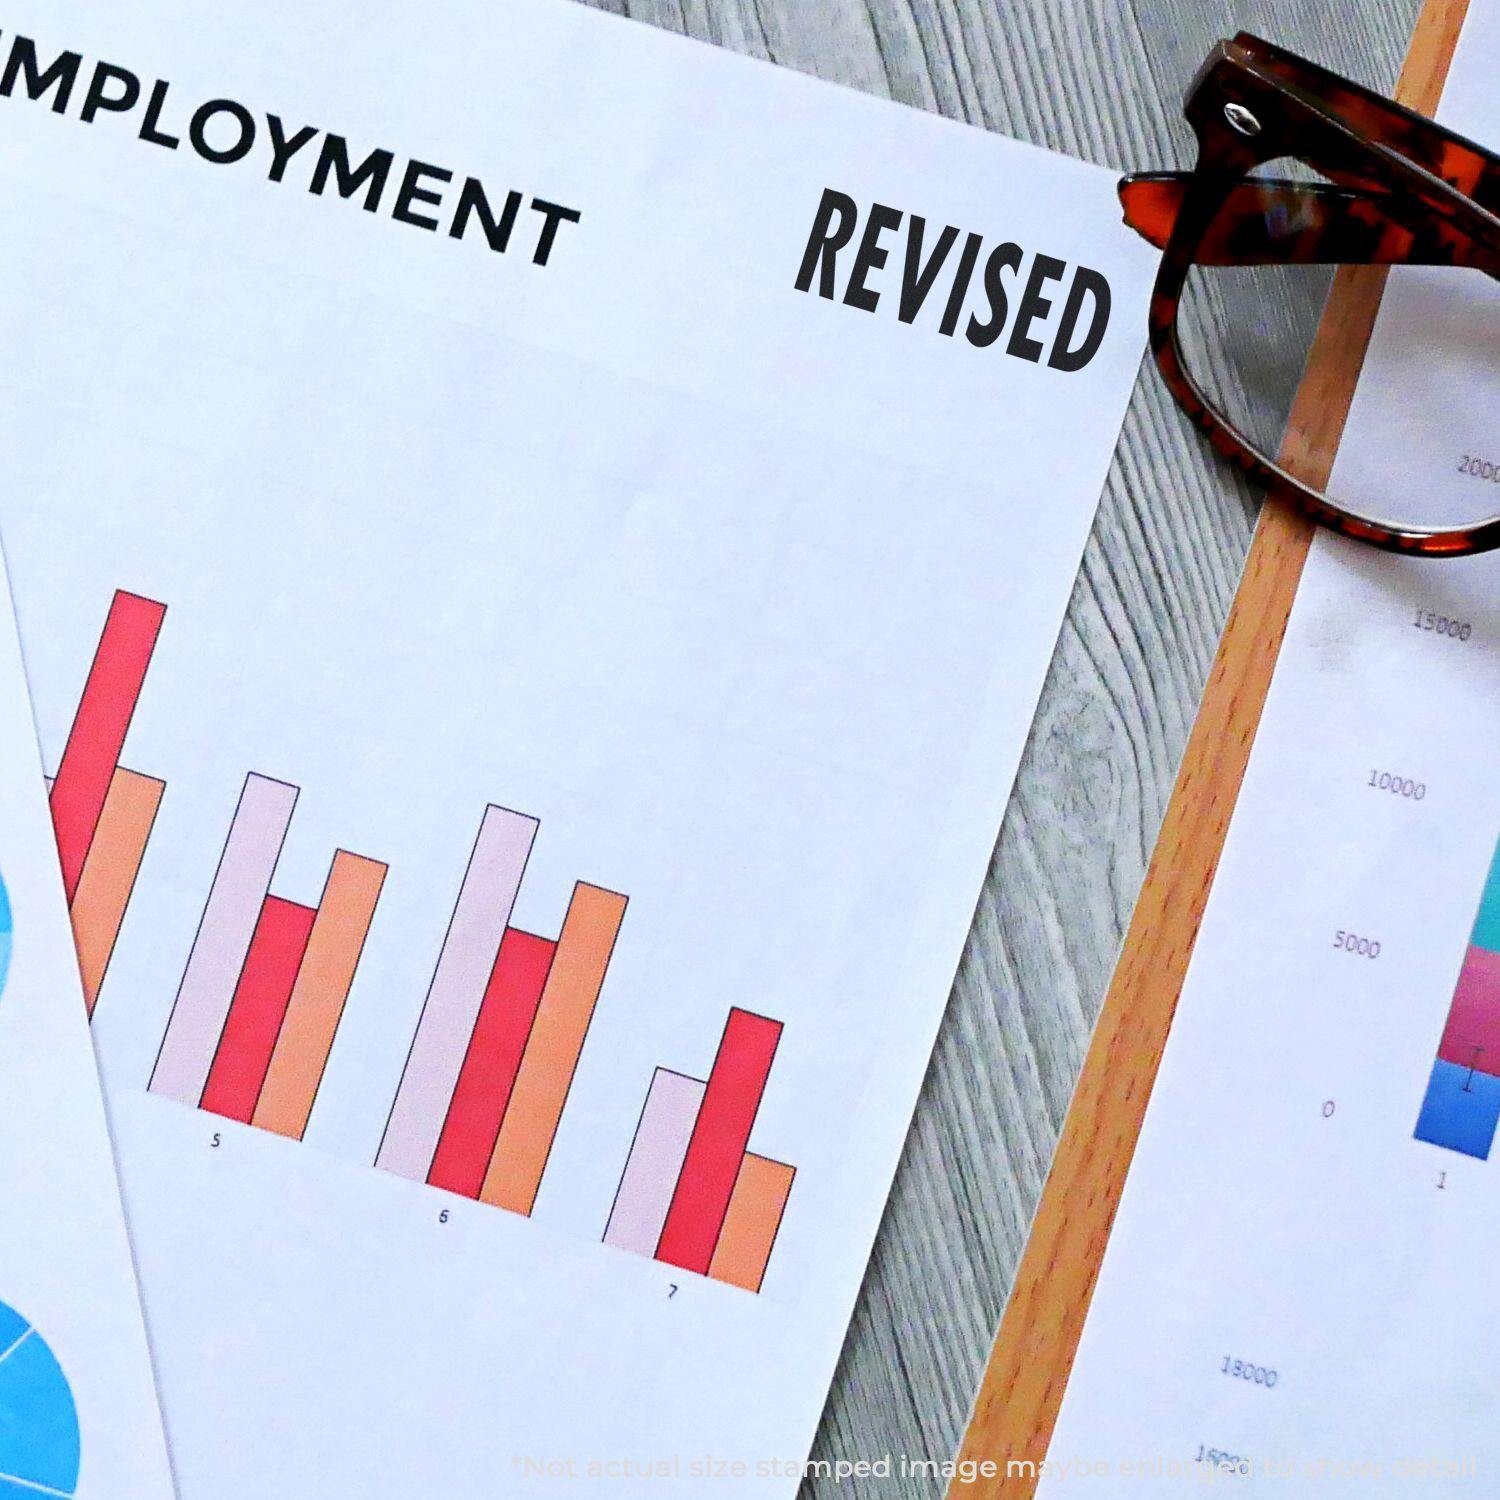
(317, 1004)
(562, 1021)
(750, 1226)
(109, 871)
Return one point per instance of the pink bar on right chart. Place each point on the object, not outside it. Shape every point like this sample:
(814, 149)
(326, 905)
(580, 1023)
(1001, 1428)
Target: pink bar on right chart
(233, 908)
(656, 1157)
(480, 916)
(1471, 1038)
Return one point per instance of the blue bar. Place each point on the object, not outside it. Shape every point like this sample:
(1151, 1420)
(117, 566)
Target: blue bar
(1461, 1110)
(1487, 923)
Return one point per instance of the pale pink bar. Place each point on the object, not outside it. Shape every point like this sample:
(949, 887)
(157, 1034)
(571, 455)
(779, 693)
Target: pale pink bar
(656, 1156)
(479, 920)
(229, 917)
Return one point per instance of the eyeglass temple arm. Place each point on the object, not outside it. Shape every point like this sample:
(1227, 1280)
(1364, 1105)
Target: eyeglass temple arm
(1269, 221)
(1454, 158)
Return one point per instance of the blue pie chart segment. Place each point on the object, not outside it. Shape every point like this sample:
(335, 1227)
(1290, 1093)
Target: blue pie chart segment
(5, 934)
(39, 1443)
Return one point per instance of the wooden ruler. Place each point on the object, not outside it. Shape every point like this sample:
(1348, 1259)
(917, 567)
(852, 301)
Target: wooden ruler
(1022, 1389)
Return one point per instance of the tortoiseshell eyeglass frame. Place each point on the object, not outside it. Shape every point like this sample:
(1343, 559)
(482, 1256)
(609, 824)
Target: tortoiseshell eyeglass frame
(1400, 190)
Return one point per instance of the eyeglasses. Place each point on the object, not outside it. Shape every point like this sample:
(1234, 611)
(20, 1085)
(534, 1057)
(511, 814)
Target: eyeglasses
(1300, 171)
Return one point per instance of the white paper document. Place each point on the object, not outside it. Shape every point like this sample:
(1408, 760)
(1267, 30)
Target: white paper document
(78, 1411)
(1299, 1293)
(537, 544)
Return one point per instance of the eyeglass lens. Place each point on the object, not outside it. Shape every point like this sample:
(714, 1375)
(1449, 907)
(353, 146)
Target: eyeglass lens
(1245, 333)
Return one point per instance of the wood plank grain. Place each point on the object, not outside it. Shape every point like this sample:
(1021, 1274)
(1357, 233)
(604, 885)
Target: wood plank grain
(1023, 1385)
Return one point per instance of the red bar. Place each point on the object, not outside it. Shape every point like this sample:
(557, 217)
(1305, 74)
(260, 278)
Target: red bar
(98, 733)
(490, 1066)
(260, 1001)
(719, 1140)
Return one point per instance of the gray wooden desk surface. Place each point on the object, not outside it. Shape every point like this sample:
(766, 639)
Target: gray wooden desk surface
(1102, 79)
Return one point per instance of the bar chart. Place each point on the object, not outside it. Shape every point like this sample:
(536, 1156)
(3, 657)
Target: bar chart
(266, 980)
(692, 1194)
(1461, 1108)
(501, 1031)
(102, 812)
